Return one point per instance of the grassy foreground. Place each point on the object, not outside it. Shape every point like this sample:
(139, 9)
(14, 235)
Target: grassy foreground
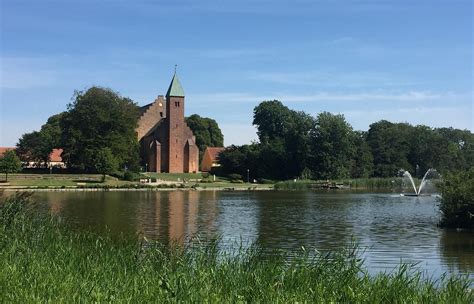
(42, 261)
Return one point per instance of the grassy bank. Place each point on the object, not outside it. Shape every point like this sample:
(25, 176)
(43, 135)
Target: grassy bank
(94, 181)
(42, 261)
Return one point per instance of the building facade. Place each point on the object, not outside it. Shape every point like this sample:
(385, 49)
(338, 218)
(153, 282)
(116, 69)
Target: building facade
(167, 143)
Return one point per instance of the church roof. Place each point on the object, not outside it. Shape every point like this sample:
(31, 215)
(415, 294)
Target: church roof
(175, 88)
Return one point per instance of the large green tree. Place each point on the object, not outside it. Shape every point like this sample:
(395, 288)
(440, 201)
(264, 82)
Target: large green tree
(284, 139)
(37, 146)
(9, 163)
(390, 146)
(332, 147)
(207, 132)
(98, 119)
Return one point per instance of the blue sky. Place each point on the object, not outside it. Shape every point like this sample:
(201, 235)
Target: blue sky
(404, 61)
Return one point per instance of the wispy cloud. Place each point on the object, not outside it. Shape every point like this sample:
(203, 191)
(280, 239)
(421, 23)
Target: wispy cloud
(409, 96)
(340, 79)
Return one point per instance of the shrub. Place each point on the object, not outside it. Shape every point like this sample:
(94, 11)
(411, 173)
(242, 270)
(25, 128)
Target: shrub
(457, 200)
(234, 177)
(130, 176)
(264, 181)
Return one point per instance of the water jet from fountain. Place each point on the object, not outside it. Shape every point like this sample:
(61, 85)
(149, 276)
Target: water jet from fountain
(427, 178)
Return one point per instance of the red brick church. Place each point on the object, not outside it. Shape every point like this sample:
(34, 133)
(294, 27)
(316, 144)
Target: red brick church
(167, 143)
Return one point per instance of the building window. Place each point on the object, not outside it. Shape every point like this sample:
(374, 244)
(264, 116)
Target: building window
(161, 114)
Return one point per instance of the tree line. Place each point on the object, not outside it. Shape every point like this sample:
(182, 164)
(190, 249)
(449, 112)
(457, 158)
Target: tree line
(293, 144)
(97, 134)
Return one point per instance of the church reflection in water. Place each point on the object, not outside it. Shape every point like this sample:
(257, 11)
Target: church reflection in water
(174, 216)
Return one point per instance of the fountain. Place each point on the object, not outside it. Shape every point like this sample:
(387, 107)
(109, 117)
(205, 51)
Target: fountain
(425, 182)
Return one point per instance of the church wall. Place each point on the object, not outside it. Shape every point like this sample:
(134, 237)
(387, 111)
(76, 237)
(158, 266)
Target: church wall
(155, 112)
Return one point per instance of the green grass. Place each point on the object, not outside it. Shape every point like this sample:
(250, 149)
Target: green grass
(63, 180)
(42, 261)
(174, 176)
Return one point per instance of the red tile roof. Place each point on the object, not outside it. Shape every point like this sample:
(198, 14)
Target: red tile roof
(5, 149)
(55, 155)
(214, 152)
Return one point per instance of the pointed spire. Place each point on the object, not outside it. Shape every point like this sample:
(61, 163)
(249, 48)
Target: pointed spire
(175, 88)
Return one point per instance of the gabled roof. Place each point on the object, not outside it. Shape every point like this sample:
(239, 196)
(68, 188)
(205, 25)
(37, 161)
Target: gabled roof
(214, 152)
(175, 88)
(55, 156)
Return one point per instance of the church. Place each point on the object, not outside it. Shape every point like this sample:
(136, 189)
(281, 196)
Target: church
(167, 143)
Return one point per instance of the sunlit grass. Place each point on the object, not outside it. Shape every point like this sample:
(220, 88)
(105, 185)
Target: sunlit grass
(42, 261)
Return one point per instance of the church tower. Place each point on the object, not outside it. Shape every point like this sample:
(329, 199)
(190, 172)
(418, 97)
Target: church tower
(167, 142)
(176, 125)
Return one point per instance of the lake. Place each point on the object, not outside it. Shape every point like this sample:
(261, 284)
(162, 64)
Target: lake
(389, 228)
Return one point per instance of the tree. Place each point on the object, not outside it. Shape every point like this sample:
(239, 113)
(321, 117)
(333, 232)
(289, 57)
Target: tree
(37, 146)
(332, 147)
(237, 159)
(9, 163)
(454, 149)
(207, 132)
(390, 146)
(363, 161)
(105, 162)
(457, 200)
(100, 118)
(273, 120)
(284, 137)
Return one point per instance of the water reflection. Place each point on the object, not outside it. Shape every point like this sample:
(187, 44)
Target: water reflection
(457, 250)
(390, 228)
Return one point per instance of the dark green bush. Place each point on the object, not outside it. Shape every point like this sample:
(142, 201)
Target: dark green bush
(457, 200)
(131, 176)
(234, 176)
(264, 181)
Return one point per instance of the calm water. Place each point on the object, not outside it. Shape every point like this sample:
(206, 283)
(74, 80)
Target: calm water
(388, 227)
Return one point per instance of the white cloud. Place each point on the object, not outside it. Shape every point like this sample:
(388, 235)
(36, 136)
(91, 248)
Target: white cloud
(378, 96)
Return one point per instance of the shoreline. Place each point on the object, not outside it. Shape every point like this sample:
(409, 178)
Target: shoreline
(30, 189)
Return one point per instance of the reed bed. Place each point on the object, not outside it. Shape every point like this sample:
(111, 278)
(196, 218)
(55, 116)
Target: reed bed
(43, 261)
(355, 183)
